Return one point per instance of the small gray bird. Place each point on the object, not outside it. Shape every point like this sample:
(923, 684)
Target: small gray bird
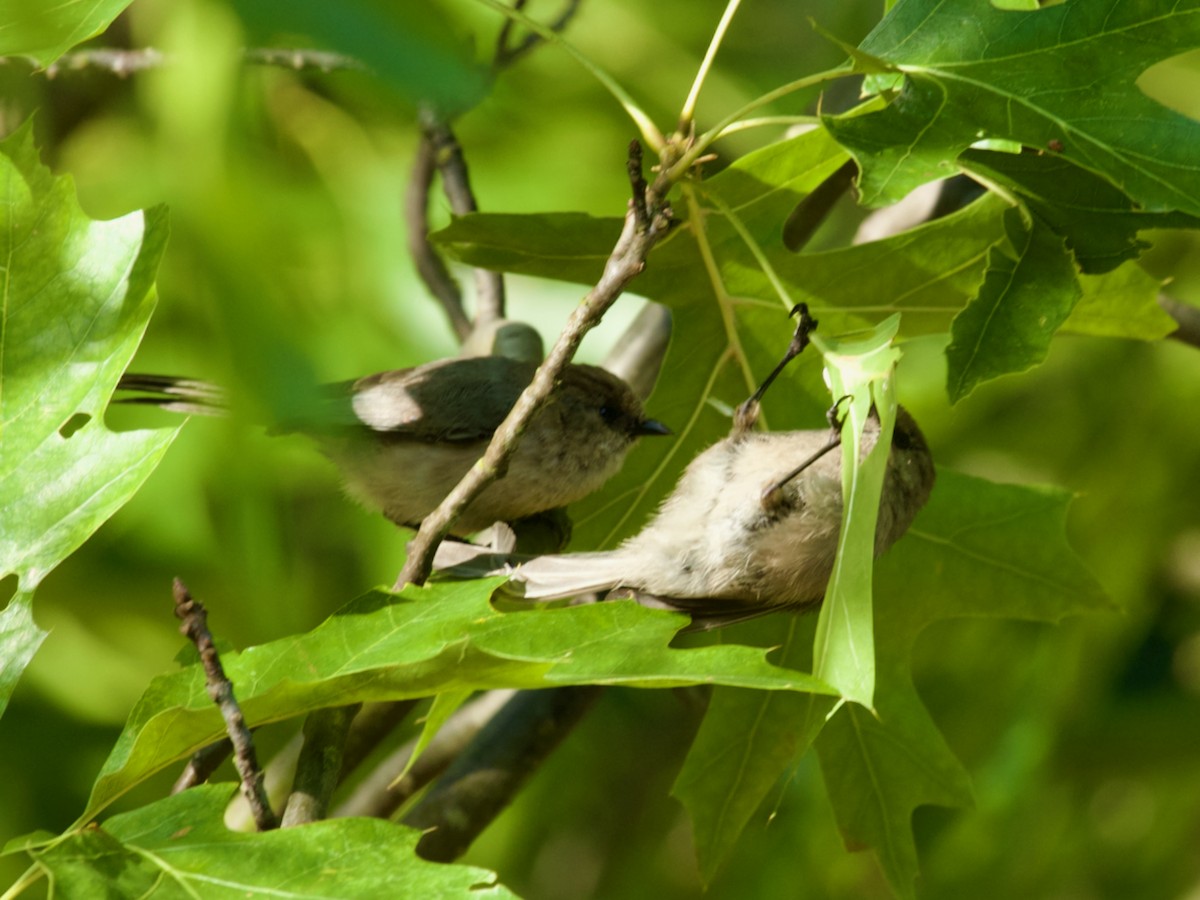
(743, 533)
(403, 439)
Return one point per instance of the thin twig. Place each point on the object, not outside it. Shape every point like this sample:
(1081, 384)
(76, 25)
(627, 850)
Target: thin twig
(202, 764)
(388, 786)
(429, 264)
(124, 63)
(627, 259)
(369, 729)
(456, 184)
(220, 689)
(1188, 318)
(508, 53)
(637, 356)
(484, 779)
(320, 764)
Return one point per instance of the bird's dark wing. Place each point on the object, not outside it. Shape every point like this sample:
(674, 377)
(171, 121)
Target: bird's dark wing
(458, 400)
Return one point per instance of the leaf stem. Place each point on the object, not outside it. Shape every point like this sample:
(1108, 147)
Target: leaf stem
(705, 140)
(724, 300)
(687, 114)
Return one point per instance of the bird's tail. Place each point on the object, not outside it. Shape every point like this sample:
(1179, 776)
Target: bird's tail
(181, 395)
(535, 578)
(570, 574)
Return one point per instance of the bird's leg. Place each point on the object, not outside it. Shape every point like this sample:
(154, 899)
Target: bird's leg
(773, 493)
(746, 414)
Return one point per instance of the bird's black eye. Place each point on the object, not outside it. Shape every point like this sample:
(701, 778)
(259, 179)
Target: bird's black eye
(610, 414)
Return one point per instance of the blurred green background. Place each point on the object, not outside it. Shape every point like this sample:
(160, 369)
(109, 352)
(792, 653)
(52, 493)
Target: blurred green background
(288, 261)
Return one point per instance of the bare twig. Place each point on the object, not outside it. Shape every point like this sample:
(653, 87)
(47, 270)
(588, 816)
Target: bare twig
(429, 264)
(484, 779)
(456, 183)
(370, 727)
(384, 791)
(124, 63)
(1188, 318)
(320, 764)
(647, 221)
(302, 58)
(812, 211)
(638, 355)
(202, 764)
(195, 626)
(507, 52)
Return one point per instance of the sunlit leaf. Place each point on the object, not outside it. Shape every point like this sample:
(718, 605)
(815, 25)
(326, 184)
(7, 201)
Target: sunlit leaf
(1061, 78)
(1100, 223)
(862, 372)
(1023, 302)
(424, 641)
(77, 295)
(180, 847)
(746, 740)
(977, 549)
(44, 31)
(1120, 303)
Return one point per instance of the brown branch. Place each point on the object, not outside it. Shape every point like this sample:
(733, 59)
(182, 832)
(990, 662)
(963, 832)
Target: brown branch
(429, 264)
(484, 779)
(647, 221)
(637, 356)
(220, 689)
(507, 53)
(456, 184)
(124, 63)
(1187, 317)
(202, 764)
(388, 786)
(319, 765)
(369, 729)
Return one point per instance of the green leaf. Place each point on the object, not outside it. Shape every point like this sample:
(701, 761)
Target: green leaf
(861, 370)
(410, 45)
(77, 295)
(20, 638)
(443, 707)
(180, 847)
(747, 739)
(1099, 221)
(977, 549)
(45, 31)
(730, 326)
(1022, 303)
(1120, 303)
(422, 641)
(1062, 77)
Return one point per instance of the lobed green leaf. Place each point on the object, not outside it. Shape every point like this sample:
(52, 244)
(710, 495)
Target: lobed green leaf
(441, 638)
(180, 847)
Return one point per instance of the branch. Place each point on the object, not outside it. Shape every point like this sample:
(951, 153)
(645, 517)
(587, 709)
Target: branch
(320, 764)
(507, 53)
(456, 184)
(1188, 318)
(369, 729)
(195, 626)
(482, 781)
(202, 764)
(429, 264)
(638, 354)
(389, 786)
(646, 222)
(124, 63)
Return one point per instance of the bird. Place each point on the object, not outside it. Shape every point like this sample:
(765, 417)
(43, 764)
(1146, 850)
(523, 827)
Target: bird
(402, 439)
(744, 532)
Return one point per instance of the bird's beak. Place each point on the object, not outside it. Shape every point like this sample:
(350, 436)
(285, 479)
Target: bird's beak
(652, 426)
